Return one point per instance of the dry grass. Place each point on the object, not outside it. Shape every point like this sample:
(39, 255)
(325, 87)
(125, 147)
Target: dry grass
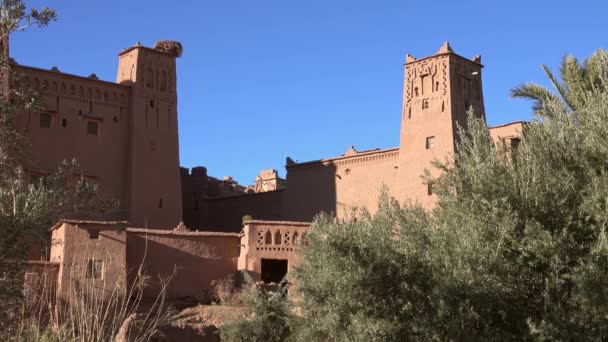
(97, 310)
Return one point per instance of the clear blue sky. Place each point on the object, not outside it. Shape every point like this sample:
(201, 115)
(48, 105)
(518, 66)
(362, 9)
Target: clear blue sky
(262, 80)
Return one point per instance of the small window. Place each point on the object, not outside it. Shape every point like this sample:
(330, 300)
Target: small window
(160, 203)
(93, 234)
(429, 189)
(515, 142)
(425, 104)
(92, 128)
(467, 105)
(94, 269)
(45, 120)
(64, 123)
(430, 142)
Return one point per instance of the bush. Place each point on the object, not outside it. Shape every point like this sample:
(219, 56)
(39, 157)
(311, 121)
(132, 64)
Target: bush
(225, 292)
(269, 316)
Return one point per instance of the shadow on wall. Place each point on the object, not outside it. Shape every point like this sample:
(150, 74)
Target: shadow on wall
(193, 261)
(311, 189)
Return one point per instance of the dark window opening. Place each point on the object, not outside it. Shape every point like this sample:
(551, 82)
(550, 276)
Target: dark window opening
(466, 105)
(94, 269)
(430, 142)
(515, 142)
(429, 189)
(273, 270)
(45, 120)
(152, 103)
(425, 104)
(93, 234)
(64, 123)
(160, 203)
(92, 128)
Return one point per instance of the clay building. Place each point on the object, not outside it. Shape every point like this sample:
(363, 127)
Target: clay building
(437, 92)
(123, 133)
(125, 136)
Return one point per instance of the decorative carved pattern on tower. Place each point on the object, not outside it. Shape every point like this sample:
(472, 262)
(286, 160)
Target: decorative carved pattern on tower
(426, 78)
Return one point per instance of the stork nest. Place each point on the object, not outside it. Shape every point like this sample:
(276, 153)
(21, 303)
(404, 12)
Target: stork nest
(172, 47)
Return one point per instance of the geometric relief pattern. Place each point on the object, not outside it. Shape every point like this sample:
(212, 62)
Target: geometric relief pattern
(283, 239)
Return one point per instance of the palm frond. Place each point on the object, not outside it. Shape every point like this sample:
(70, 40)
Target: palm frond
(534, 92)
(561, 88)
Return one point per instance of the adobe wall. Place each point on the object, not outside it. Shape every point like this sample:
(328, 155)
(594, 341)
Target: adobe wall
(73, 101)
(193, 259)
(507, 131)
(340, 184)
(437, 92)
(155, 197)
(225, 214)
(278, 240)
(73, 247)
(40, 287)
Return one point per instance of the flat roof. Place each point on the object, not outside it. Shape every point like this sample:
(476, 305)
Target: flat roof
(99, 223)
(343, 157)
(180, 232)
(282, 223)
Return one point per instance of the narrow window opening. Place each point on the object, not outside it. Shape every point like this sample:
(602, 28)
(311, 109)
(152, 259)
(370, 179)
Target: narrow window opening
(409, 113)
(45, 120)
(277, 237)
(466, 105)
(429, 189)
(160, 203)
(436, 86)
(64, 123)
(93, 234)
(515, 142)
(430, 142)
(425, 104)
(442, 106)
(92, 128)
(94, 269)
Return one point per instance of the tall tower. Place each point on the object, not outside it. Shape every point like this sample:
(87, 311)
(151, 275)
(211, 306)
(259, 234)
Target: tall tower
(438, 90)
(154, 197)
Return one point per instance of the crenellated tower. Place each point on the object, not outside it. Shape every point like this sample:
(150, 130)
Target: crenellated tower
(154, 198)
(438, 90)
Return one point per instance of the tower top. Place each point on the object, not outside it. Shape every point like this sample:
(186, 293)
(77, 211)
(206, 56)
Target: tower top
(171, 48)
(444, 49)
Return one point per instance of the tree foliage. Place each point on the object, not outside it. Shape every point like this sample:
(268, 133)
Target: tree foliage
(516, 248)
(28, 205)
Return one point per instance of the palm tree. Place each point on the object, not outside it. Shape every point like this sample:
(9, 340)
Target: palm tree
(578, 81)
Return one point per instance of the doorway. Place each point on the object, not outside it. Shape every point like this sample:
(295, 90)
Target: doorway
(273, 270)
